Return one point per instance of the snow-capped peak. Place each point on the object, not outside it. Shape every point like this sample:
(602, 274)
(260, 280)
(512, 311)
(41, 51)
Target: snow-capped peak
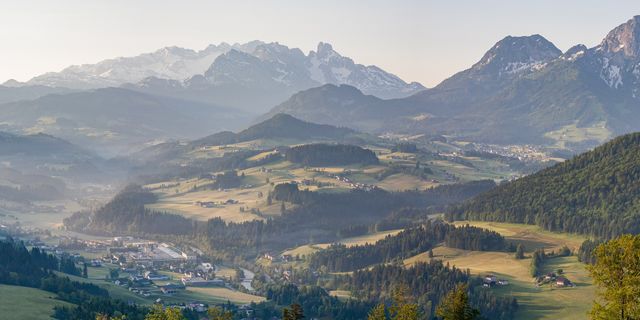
(173, 63)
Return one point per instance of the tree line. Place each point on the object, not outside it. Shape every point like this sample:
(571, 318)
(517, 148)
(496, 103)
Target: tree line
(126, 214)
(34, 268)
(320, 155)
(410, 242)
(428, 284)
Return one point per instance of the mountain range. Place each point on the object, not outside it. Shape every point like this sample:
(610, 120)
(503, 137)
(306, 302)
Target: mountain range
(222, 74)
(168, 63)
(122, 105)
(523, 90)
(115, 120)
(256, 81)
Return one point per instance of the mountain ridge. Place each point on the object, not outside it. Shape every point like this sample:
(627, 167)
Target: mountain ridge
(523, 90)
(115, 120)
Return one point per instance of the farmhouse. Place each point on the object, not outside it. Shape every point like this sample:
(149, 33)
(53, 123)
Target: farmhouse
(206, 204)
(563, 282)
(490, 279)
(168, 291)
(268, 256)
(206, 267)
(149, 275)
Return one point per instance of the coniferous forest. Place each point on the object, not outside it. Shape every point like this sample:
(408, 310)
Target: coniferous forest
(594, 193)
(340, 258)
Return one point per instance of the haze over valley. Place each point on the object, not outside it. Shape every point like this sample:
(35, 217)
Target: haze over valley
(257, 180)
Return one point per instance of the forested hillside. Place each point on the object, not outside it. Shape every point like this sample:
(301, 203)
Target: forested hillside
(428, 283)
(330, 155)
(596, 193)
(314, 214)
(279, 126)
(339, 258)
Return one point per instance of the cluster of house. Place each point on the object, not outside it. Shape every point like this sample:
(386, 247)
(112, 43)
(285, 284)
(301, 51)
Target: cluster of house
(491, 280)
(265, 170)
(213, 204)
(554, 279)
(140, 282)
(278, 258)
(396, 157)
(353, 184)
(150, 254)
(142, 259)
(521, 152)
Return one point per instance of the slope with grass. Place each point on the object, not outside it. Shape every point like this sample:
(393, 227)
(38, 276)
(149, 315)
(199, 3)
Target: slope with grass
(18, 303)
(544, 302)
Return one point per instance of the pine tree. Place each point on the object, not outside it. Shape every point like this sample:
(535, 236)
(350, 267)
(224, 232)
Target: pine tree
(520, 252)
(217, 313)
(294, 312)
(377, 313)
(455, 305)
(85, 272)
(160, 313)
(401, 309)
(617, 271)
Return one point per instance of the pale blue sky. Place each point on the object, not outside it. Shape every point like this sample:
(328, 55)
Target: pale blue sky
(424, 41)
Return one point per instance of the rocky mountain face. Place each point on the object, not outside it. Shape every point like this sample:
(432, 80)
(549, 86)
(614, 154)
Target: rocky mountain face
(257, 80)
(619, 57)
(523, 90)
(326, 66)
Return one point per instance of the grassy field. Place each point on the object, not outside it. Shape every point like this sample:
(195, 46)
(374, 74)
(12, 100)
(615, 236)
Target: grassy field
(530, 236)
(180, 196)
(349, 242)
(543, 302)
(97, 276)
(572, 134)
(341, 294)
(402, 182)
(46, 219)
(19, 303)
(220, 295)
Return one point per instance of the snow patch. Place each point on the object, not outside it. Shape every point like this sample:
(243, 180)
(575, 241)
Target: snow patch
(611, 74)
(517, 67)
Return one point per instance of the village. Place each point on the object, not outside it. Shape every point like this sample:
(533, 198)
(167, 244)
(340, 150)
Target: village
(157, 272)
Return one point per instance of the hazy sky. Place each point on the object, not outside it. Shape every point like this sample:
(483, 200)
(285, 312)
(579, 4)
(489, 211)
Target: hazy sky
(423, 41)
